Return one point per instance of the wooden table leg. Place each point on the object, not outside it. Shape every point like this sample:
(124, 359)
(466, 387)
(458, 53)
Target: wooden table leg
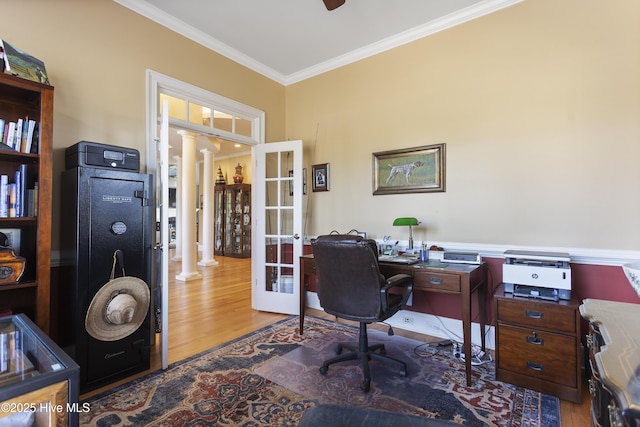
(303, 293)
(482, 308)
(466, 328)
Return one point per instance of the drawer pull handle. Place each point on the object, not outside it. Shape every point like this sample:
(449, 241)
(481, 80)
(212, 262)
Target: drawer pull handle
(532, 314)
(435, 280)
(538, 367)
(535, 339)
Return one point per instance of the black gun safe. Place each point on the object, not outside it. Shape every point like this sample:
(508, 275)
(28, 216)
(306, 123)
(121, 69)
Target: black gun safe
(105, 211)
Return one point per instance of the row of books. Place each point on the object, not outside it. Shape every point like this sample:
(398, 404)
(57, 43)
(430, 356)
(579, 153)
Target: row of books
(16, 200)
(21, 135)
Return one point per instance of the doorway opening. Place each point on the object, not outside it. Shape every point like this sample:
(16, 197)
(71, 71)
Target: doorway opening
(197, 111)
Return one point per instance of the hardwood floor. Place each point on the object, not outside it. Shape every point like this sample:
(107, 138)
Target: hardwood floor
(217, 308)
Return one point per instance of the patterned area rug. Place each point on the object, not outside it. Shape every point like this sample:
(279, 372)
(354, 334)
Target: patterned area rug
(269, 378)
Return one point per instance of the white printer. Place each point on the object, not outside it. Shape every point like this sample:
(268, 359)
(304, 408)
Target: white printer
(544, 275)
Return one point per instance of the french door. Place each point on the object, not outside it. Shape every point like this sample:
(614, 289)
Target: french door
(277, 224)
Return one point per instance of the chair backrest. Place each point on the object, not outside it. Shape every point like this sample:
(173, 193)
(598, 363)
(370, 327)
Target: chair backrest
(349, 279)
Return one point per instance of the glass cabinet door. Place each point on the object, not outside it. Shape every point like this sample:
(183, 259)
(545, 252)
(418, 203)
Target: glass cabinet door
(237, 220)
(218, 229)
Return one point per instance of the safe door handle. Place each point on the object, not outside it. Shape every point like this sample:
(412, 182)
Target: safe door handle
(435, 280)
(532, 314)
(538, 367)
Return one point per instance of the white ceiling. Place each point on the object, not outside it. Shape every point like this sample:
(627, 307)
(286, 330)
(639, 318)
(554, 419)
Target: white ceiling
(291, 40)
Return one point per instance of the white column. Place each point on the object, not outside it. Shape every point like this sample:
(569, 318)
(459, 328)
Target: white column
(177, 254)
(188, 212)
(206, 215)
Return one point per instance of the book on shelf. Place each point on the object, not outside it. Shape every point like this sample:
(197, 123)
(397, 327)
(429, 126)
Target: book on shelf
(12, 200)
(4, 195)
(31, 127)
(18, 136)
(35, 140)
(11, 134)
(21, 64)
(16, 199)
(21, 135)
(22, 188)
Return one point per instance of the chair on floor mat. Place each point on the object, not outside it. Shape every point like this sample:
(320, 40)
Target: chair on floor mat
(350, 286)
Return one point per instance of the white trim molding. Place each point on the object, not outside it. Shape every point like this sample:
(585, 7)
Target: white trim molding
(457, 18)
(427, 324)
(592, 256)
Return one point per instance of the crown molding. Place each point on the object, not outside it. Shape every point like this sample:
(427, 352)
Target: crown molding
(464, 15)
(169, 21)
(432, 27)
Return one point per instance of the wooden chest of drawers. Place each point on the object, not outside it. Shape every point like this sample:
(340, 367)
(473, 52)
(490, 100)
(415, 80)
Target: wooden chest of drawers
(538, 345)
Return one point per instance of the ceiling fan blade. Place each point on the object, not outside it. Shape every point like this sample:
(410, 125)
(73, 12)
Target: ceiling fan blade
(333, 4)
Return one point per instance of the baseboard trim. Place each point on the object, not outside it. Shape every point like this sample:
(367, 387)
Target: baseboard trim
(427, 324)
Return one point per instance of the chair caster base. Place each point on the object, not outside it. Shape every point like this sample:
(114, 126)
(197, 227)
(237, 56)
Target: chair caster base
(323, 369)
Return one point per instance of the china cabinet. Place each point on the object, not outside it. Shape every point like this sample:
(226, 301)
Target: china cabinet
(237, 220)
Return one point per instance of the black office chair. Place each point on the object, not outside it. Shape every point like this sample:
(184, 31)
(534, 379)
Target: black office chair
(350, 286)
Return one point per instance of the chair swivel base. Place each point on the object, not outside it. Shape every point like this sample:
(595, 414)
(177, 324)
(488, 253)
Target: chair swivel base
(363, 353)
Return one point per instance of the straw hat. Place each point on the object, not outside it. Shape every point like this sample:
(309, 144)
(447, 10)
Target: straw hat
(118, 309)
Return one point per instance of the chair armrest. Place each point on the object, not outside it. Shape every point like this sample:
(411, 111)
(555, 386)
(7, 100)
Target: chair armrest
(399, 280)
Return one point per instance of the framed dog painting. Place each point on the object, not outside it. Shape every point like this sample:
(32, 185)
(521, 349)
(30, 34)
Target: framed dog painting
(409, 170)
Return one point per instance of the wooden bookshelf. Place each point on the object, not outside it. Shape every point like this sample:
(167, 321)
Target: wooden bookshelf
(20, 98)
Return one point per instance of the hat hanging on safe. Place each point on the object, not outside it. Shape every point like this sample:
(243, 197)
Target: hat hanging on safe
(118, 308)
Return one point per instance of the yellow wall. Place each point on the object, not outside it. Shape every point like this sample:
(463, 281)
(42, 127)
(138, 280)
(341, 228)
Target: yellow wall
(97, 53)
(539, 107)
(228, 167)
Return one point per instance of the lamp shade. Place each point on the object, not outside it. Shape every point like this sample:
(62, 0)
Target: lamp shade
(406, 221)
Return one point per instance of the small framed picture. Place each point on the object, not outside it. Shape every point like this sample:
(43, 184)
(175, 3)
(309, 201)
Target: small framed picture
(320, 175)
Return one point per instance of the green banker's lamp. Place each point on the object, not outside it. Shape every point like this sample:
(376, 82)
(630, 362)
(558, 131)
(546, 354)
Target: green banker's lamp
(410, 222)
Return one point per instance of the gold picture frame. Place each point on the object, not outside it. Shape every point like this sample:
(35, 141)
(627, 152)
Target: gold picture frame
(410, 170)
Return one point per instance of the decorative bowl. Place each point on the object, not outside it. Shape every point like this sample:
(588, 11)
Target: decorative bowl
(632, 271)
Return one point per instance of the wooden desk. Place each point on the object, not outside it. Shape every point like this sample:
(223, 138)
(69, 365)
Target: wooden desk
(462, 279)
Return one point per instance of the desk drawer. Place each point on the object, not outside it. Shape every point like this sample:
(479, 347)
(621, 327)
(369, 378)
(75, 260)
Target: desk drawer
(538, 354)
(308, 267)
(537, 315)
(436, 281)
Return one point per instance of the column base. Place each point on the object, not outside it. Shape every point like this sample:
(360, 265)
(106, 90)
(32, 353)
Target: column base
(185, 277)
(207, 262)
